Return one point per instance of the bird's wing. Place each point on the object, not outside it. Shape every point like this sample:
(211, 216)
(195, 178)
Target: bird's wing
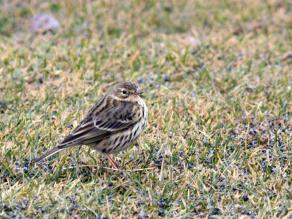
(101, 122)
(117, 118)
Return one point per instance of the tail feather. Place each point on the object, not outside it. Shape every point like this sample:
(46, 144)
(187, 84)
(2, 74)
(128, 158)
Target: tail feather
(81, 137)
(49, 153)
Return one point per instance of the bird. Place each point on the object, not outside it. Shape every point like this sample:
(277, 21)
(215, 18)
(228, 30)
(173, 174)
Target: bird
(111, 125)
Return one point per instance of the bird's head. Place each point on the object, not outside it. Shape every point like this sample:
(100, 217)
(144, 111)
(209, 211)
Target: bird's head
(125, 90)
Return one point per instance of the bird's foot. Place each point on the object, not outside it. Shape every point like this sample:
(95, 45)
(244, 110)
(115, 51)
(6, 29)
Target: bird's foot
(113, 163)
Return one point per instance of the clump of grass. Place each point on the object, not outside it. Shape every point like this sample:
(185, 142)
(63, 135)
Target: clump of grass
(216, 76)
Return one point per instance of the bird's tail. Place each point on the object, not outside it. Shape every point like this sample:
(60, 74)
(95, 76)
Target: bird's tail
(50, 153)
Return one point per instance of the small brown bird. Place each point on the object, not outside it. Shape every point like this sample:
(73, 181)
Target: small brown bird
(111, 125)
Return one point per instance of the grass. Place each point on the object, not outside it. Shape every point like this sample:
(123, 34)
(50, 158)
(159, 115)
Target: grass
(217, 76)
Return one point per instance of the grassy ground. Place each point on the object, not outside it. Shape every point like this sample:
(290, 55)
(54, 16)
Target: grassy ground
(216, 75)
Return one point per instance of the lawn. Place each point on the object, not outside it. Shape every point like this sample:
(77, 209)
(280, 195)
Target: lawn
(217, 81)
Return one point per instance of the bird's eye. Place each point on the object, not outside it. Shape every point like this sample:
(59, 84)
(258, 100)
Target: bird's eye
(124, 92)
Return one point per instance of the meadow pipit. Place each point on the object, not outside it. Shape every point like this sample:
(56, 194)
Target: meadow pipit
(111, 125)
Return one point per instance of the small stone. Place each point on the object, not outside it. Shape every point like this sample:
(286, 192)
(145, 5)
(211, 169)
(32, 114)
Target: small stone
(41, 80)
(70, 126)
(141, 214)
(158, 162)
(216, 211)
(161, 212)
(249, 213)
(253, 144)
(245, 197)
(161, 203)
(43, 23)
(3, 106)
(264, 165)
(166, 78)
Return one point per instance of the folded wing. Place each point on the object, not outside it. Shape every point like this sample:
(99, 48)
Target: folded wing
(102, 122)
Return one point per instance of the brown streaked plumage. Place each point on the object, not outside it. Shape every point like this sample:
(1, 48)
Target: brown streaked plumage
(111, 125)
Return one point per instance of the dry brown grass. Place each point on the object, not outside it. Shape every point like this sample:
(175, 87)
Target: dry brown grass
(218, 86)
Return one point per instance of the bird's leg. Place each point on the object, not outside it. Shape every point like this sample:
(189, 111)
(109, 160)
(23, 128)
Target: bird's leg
(112, 162)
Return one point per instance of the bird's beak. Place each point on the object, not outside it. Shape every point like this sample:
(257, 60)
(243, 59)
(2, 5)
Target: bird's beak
(139, 92)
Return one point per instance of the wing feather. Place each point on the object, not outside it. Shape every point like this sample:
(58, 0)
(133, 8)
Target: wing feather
(117, 118)
(103, 119)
